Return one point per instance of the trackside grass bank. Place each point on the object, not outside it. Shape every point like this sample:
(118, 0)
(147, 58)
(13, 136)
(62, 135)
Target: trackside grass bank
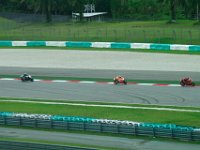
(182, 32)
(139, 115)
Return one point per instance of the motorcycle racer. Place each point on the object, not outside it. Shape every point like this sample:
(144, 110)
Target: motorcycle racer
(187, 81)
(119, 79)
(26, 77)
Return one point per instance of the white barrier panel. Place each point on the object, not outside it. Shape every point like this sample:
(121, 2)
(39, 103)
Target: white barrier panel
(179, 47)
(56, 43)
(32, 116)
(101, 44)
(19, 43)
(118, 122)
(140, 45)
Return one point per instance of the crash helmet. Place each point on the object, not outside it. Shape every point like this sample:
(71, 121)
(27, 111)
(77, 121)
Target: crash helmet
(119, 76)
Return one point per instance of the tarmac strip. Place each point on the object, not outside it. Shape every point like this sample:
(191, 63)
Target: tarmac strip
(108, 106)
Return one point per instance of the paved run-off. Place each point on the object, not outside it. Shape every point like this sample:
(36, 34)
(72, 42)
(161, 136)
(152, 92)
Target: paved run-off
(75, 59)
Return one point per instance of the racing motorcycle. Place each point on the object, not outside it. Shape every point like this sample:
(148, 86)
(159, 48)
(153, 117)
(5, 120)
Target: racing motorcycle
(187, 82)
(26, 77)
(119, 80)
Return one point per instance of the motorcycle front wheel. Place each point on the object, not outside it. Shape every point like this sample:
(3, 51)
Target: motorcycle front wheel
(182, 84)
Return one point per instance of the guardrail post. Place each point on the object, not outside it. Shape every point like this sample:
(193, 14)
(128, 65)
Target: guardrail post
(172, 133)
(101, 127)
(51, 124)
(135, 129)
(191, 135)
(118, 128)
(67, 126)
(5, 120)
(84, 126)
(154, 132)
(20, 121)
(35, 123)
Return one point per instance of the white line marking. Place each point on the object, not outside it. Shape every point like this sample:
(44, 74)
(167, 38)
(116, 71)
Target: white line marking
(37, 80)
(87, 82)
(8, 79)
(59, 81)
(174, 85)
(147, 84)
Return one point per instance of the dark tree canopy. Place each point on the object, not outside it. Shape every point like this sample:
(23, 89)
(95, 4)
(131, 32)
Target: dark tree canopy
(121, 9)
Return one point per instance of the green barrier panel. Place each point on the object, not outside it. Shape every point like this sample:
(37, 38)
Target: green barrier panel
(168, 126)
(160, 46)
(120, 45)
(6, 114)
(36, 43)
(71, 119)
(195, 48)
(156, 125)
(5, 43)
(78, 44)
(184, 128)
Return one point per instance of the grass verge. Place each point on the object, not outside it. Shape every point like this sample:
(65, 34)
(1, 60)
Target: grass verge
(140, 115)
(182, 32)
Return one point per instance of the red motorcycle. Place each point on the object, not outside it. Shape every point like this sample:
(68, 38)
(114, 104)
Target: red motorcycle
(187, 82)
(119, 80)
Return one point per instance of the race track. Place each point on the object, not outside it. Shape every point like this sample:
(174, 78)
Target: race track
(87, 64)
(95, 64)
(142, 94)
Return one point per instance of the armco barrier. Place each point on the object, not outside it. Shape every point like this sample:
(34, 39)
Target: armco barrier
(150, 46)
(137, 130)
(11, 145)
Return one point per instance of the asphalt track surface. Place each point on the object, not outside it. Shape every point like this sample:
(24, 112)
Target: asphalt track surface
(133, 66)
(142, 94)
(108, 142)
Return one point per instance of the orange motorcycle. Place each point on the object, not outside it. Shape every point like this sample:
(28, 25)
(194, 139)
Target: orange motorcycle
(187, 82)
(119, 80)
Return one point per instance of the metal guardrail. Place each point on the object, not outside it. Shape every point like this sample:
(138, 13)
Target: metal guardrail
(190, 135)
(11, 145)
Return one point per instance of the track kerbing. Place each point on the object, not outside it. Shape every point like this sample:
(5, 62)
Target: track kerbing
(90, 82)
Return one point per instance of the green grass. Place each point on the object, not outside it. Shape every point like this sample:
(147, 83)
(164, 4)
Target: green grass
(183, 32)
(140, 115)
(100, 103)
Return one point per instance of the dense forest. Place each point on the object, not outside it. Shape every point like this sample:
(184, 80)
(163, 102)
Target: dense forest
(126, 9)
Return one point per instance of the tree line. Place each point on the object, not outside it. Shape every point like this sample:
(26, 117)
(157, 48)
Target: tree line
(128, 9)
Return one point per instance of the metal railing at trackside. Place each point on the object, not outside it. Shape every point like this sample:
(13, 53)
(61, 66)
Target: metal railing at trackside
(135, 130)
